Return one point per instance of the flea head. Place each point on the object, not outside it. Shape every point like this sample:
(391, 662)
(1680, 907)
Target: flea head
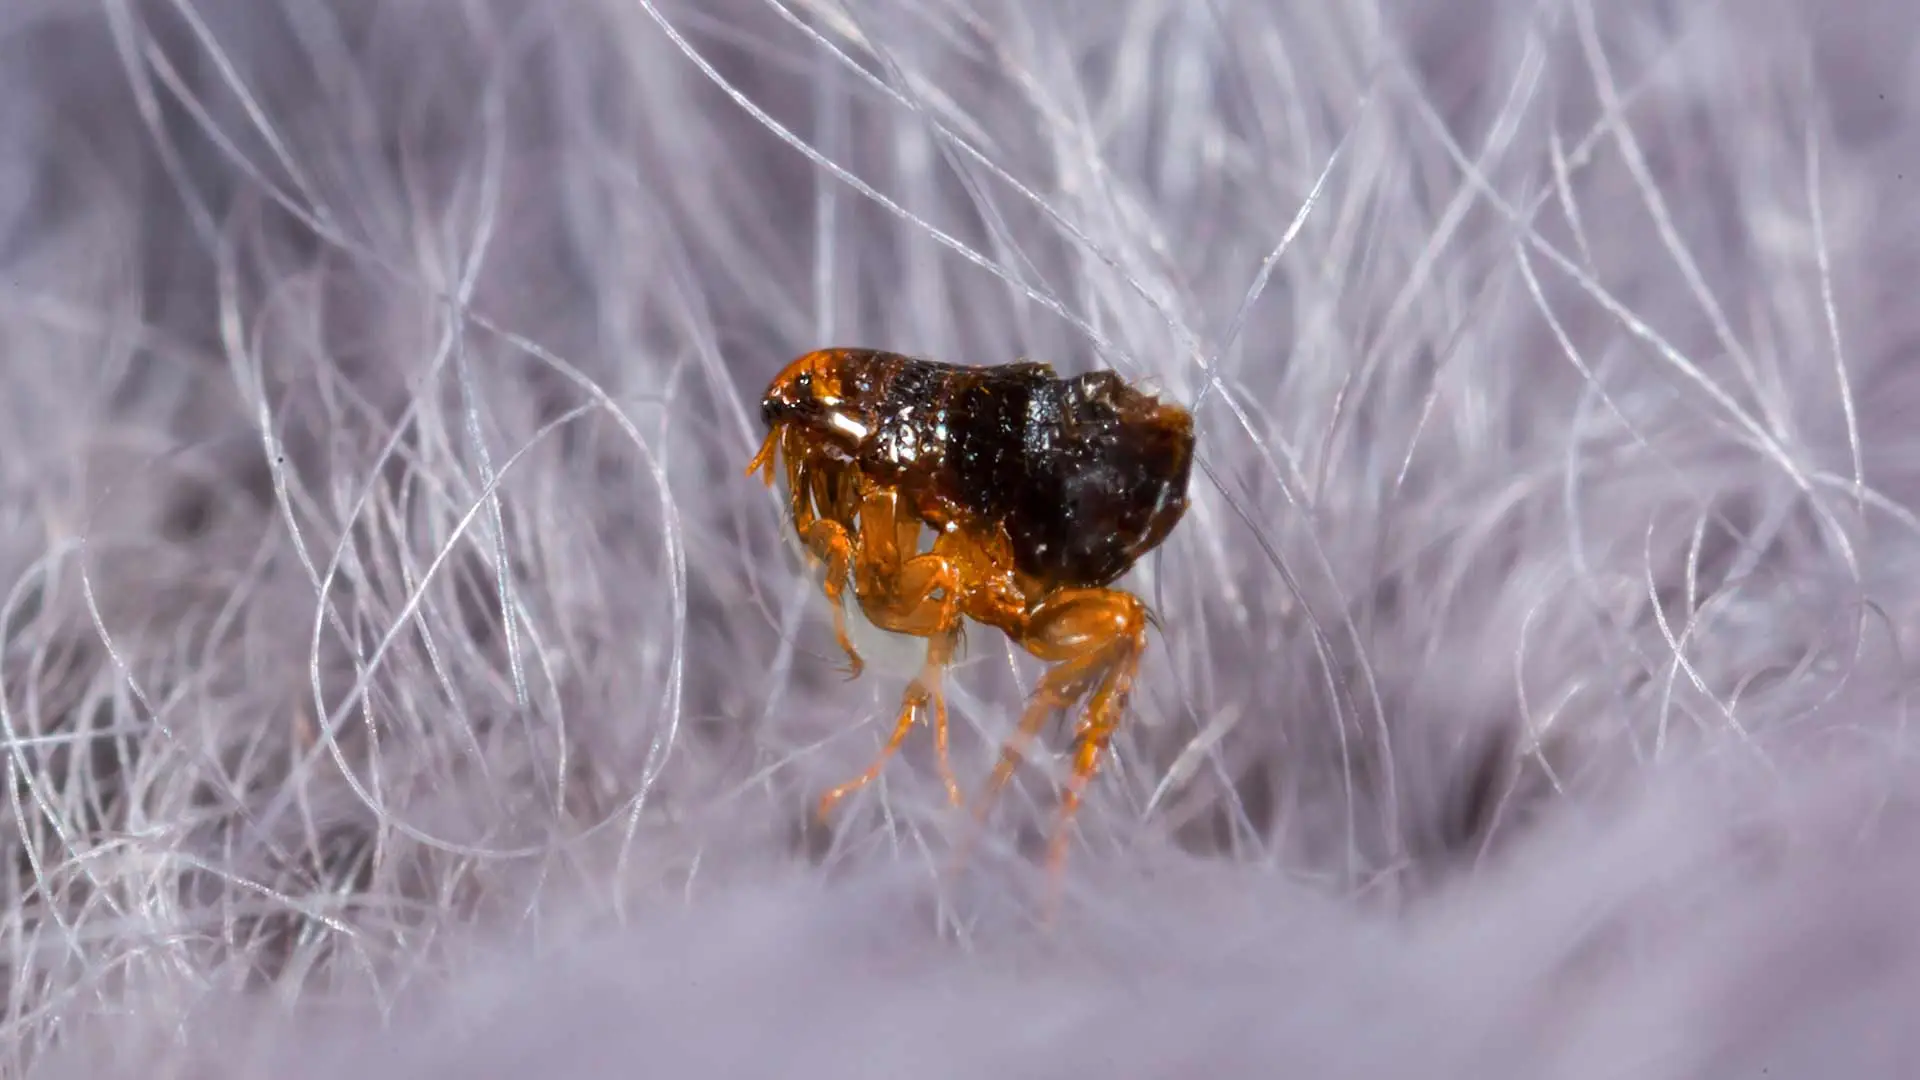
(821, 392)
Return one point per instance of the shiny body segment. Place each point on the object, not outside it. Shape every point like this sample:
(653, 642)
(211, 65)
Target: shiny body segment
(1038, 491)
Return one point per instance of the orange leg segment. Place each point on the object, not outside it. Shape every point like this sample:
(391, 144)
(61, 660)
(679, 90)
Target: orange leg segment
(763, 462)
(812, 490)
(1094, 638)
(919, 596)
(922, 693)
(829, 542)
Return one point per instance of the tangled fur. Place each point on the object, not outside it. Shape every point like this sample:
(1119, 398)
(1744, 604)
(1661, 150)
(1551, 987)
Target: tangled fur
(398, 677)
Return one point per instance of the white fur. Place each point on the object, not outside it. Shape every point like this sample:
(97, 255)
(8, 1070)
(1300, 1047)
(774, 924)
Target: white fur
(1531, 691)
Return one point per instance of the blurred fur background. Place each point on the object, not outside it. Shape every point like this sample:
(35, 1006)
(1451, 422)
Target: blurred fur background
(400, 677)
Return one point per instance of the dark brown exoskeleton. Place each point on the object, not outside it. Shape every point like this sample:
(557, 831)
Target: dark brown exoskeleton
(1040, 492)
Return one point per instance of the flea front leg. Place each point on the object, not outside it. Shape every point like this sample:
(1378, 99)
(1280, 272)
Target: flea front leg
(818, 504)
(829, 542)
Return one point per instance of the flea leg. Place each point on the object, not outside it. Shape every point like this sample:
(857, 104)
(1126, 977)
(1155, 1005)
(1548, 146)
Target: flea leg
(830, 543)
(923, 692)
(811, 489)
(762, 462)
(917, 596)
(1094, 639)
(1059, 688)
(1095, 732)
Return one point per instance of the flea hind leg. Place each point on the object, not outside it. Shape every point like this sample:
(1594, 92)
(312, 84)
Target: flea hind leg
(1094, 639)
